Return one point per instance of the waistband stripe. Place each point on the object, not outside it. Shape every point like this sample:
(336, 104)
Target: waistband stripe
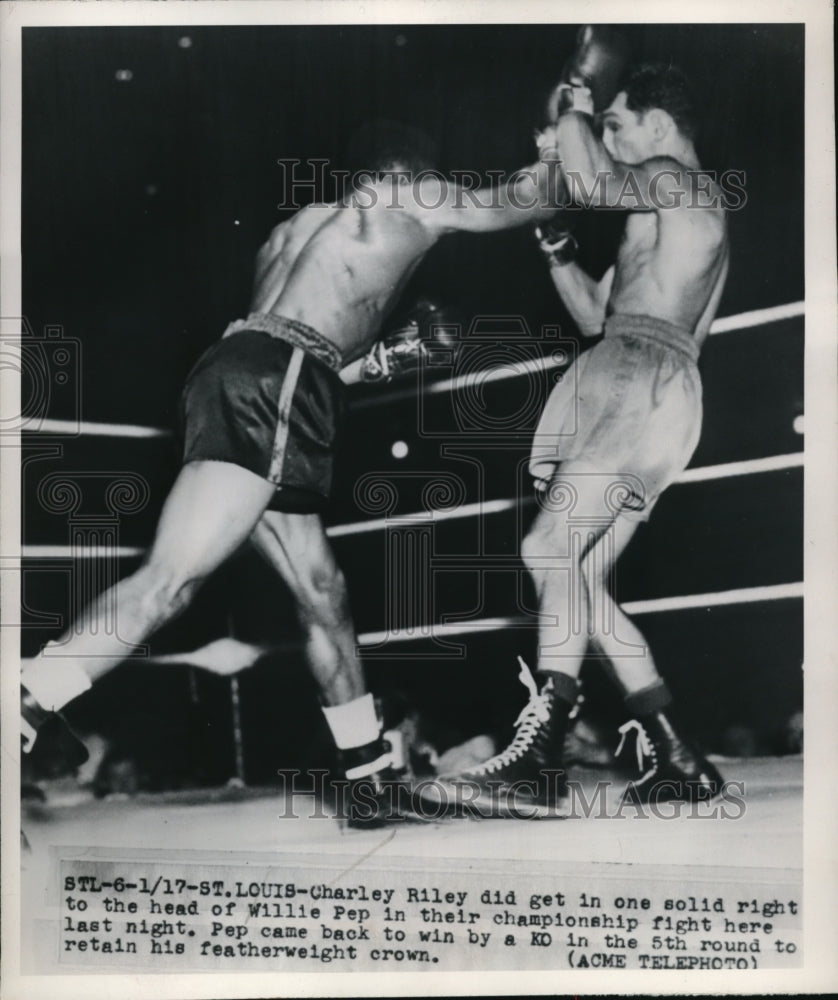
(652, 328)
(292, 331)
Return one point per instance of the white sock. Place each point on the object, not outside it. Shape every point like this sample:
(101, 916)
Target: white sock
(353, 724)
(54, 680)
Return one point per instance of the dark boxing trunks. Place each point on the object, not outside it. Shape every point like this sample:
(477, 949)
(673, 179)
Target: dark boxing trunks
(629, 406)
(267, 397)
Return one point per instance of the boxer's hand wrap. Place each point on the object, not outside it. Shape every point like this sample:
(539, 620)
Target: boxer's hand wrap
(410, 345)
(574, 97)
(557, 243)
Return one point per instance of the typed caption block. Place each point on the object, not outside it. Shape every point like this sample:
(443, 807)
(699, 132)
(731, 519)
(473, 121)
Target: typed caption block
(298, 914)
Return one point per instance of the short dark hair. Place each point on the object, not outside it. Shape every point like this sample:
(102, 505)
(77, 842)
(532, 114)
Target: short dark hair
(382, 145)
(664, 86)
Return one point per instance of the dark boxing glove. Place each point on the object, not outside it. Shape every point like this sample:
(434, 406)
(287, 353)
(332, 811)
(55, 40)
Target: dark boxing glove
(597, 65)
(427, 335)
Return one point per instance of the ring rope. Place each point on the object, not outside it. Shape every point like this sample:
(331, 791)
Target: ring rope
(723, 598)
(772, 463)
(78, 427)
(81, 552)
(726, 324)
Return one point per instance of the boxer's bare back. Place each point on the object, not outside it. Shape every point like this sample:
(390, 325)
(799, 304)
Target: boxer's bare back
(340, 268)
(672, 264)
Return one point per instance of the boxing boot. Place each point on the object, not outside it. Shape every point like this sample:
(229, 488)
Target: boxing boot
(50, 730)
(524, 781)
(672, 770)
(374, 793)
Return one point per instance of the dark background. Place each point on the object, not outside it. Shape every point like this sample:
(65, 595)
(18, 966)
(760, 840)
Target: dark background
(144, 201)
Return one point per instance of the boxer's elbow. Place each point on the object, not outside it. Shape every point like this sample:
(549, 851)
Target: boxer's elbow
(586, 307)
(591, 322)
(594, 321)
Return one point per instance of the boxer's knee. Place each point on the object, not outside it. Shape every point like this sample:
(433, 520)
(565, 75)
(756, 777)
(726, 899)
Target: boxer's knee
(531, 549)
(163, 590)
(543, 544)
(594, 573)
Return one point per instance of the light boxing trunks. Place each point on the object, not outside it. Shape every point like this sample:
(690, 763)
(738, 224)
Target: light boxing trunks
(630, 406)
(267, 397)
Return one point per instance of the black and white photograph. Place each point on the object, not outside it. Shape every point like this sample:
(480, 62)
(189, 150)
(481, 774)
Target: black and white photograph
(418, 545)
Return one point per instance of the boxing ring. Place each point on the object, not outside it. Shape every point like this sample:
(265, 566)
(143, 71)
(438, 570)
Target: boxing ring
(205, 745)
(755, 851)
(776, 783)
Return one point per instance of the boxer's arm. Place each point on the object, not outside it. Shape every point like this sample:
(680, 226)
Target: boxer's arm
(530, 195)
(268, 252)
(351, 374)
(702, 327)
(596, 180)
(592, 174)
(584, 298)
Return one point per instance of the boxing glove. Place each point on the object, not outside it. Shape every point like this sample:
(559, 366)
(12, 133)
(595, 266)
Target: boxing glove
(426, 330)
(597, 64)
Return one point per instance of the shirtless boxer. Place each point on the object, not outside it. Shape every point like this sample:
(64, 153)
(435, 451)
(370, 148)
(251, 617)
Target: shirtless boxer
(261, 410)
(618, 429)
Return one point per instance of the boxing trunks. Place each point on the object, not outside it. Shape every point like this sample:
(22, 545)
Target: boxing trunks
(630, 406)
(267, 397)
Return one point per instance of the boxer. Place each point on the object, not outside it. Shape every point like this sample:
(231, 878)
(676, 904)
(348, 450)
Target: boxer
(621, 425)
(261, 412)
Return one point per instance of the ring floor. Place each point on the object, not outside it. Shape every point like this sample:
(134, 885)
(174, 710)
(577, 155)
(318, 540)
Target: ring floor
(759, 853)
(768, 834)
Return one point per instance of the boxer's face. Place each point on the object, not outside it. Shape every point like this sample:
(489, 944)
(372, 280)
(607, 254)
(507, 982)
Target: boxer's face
(627, 135)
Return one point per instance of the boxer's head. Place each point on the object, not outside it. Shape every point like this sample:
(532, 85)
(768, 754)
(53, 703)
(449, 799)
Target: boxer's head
(654, 114)
(381, 147)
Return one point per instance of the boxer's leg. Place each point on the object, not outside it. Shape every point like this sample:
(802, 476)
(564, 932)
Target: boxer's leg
(296, 546)
(211, 509)
(575, 514)
(673, 768)
(611, 630)
(528, 773)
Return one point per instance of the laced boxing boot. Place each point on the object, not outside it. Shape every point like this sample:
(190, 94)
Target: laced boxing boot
(38, 724)
(526, 780)
(672, 770)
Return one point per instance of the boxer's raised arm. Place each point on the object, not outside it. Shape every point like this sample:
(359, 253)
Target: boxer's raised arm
(595, 179)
